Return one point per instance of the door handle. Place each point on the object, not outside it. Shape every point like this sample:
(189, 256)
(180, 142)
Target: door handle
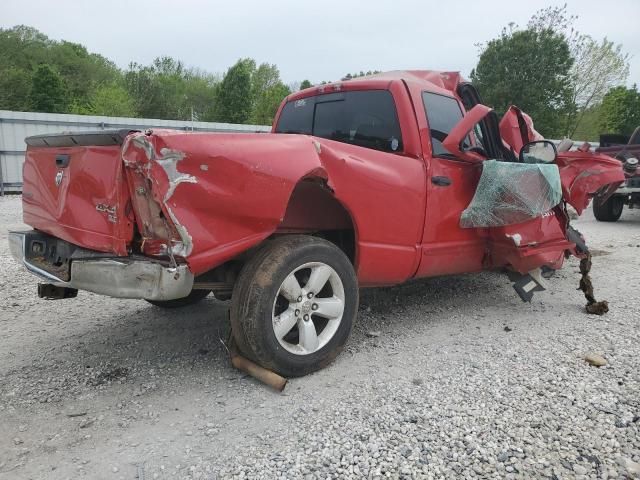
(441, 181)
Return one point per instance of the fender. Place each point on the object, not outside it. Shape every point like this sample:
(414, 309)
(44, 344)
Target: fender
(583, 173)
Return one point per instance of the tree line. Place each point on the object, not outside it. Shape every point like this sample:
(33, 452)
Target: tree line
(570, 83)
(45, 75)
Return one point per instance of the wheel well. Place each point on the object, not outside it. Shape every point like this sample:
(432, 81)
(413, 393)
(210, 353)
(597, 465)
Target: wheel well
(313, 209)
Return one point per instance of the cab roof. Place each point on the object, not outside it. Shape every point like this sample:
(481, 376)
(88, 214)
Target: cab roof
(429, 80)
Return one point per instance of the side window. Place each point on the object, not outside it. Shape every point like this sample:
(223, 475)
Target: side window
(364, 118)
(443, 113)
(367, 119)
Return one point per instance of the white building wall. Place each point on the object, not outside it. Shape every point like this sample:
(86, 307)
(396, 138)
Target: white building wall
(15, 126)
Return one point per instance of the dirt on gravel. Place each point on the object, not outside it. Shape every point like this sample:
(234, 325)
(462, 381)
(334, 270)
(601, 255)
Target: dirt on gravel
(460, 380)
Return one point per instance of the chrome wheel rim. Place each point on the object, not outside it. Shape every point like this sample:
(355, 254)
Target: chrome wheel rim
(308, 308)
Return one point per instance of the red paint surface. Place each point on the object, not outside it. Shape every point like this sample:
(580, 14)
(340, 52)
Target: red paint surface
(68, 211)
(241, 186)
(582, 173)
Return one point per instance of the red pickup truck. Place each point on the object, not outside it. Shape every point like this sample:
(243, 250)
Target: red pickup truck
(367, 182)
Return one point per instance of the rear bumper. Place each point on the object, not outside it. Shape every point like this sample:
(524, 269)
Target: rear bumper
(121, 277)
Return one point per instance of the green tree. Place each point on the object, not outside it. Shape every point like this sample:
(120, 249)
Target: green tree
(23, 49)
(200, 95)
(85, 82)
(110, 100)
(528, 68)
(267, 104)
(305, 84)
(157, 89)
(267, 91)
(597, 68)
(48, 91)
(264, 77)
(597, 65)
(620, 110)
(82, 72)
(15, 89)
(234, 98)
(167, 89)
(588, 129)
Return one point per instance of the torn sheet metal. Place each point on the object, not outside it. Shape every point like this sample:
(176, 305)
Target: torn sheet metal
(168, 160)
(583, 173)
(511, 193)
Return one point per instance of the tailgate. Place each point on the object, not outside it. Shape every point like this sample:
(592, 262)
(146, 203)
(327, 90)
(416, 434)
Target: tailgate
(75, 189)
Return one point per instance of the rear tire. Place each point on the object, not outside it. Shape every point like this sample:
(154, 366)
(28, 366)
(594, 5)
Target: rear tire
(194, 297)
(610, 210)
(293, 305)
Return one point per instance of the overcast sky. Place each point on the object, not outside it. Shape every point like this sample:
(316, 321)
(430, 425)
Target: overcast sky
(309, 39)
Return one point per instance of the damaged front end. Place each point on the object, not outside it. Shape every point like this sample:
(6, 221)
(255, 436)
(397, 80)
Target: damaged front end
(522, 204)
(582, 175)
(583, 172)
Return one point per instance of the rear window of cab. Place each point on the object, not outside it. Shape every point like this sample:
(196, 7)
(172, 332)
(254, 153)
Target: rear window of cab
(366, 118)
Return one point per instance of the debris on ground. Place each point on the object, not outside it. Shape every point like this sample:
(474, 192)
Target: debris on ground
(87, 422)
(374, 333)
(107, 376)
(76, 414)
(595, 360)
(593, 306)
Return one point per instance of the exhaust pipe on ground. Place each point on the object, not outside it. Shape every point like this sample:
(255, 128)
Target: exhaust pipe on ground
(267, 377)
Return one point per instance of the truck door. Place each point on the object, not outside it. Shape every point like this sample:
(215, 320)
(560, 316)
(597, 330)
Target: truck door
(451, 184)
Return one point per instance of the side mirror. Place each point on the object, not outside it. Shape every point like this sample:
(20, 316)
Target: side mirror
(541, 151)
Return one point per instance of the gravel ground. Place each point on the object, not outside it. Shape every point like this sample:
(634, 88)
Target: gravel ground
(463, 381)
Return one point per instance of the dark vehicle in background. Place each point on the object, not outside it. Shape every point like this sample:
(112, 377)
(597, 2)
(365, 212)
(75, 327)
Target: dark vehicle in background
(627, 150)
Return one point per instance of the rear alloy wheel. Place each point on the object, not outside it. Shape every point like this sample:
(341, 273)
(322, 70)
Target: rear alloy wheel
(298, 311)
(610, 210)
(294, 304)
